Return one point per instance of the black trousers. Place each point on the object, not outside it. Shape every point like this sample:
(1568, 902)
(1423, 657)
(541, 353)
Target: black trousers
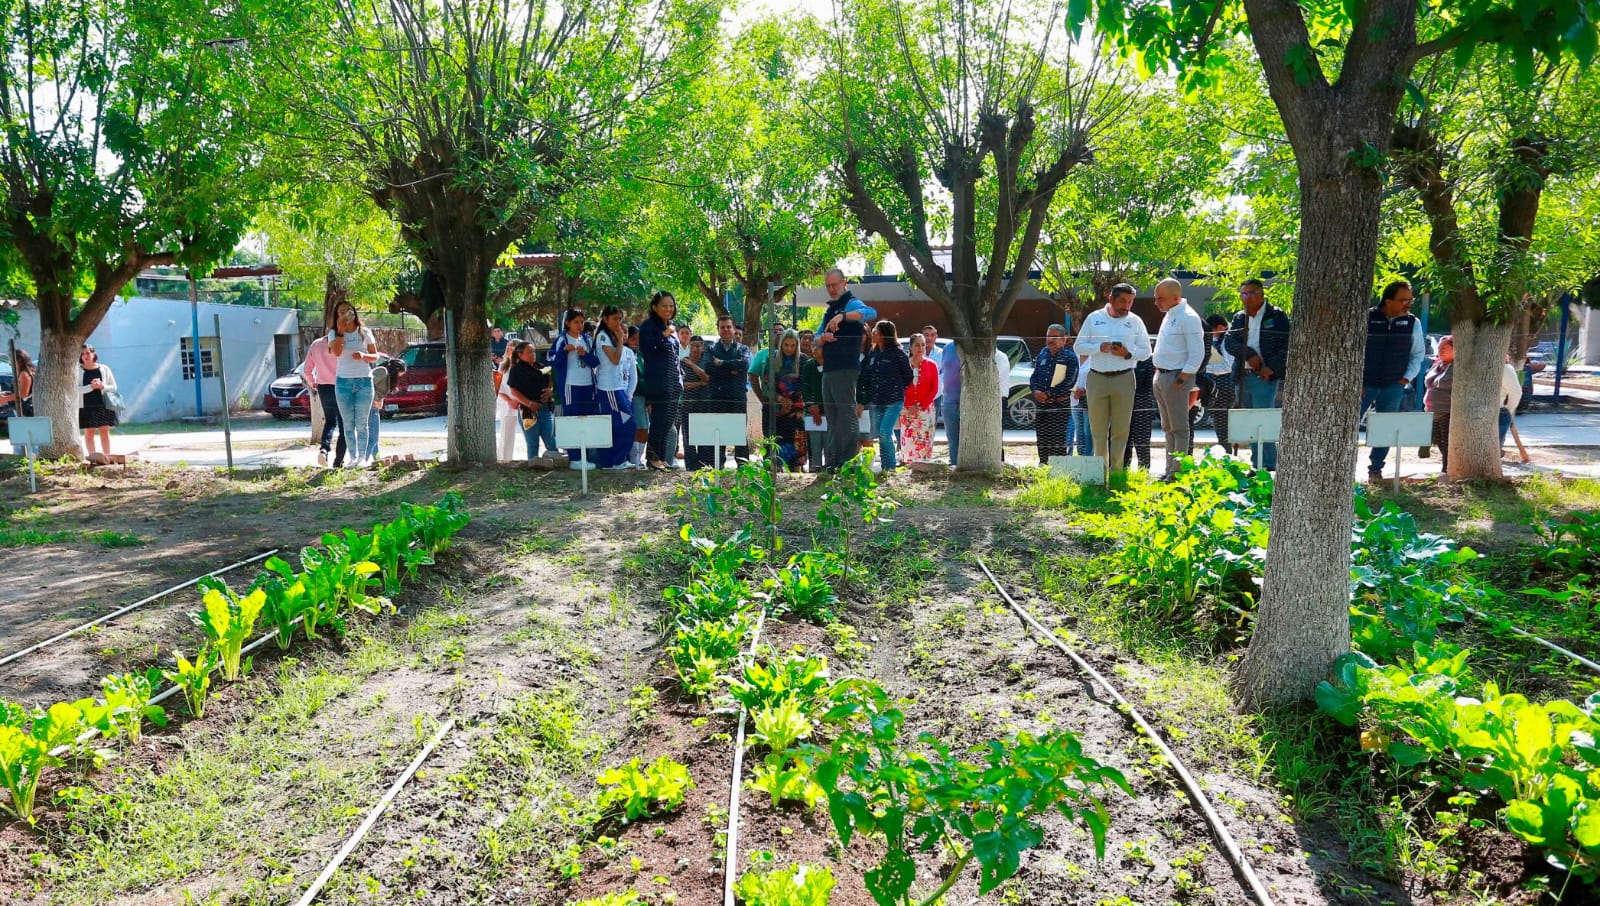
(330, 420)
(664, 416)
(1139, 430)
(1051, 432)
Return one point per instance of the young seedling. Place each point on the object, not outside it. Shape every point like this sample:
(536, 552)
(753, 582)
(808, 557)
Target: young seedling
(194, 677)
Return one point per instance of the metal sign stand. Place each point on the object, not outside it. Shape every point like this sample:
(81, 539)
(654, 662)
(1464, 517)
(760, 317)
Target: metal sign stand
(30, 434)
(222, 377)
(1261, 426)
(583, 432)
(1414, 428)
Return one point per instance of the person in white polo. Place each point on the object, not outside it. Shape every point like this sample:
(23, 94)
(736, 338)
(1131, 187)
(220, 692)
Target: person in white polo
(1114, 340)
(1180, 351)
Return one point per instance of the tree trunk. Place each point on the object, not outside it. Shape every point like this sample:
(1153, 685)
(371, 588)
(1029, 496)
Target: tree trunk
(470, 392)
(55, 394)
(980, 404)
(1303, 623)
(755, 302)
(1475, 400)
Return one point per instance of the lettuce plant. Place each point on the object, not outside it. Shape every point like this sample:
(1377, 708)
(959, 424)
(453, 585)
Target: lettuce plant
(635, 792)
(764, 683)
(782, 724)
(787, 778)
(800, 885)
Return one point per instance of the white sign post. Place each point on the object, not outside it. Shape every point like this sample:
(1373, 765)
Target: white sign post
(30, 434)
(1259, 426)
(583, 432)
(1082, 469)
(707, 429)
(1407, 428)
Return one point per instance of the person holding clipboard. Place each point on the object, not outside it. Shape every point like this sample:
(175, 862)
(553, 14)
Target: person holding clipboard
(1055, 374)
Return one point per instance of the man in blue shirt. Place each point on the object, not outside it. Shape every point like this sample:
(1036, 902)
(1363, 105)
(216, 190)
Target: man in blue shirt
(1395, 350)
(950, 377)
(839, 339)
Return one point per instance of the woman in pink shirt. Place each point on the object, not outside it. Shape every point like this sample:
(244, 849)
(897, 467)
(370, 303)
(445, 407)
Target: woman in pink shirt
(321, 368)
(916, 437)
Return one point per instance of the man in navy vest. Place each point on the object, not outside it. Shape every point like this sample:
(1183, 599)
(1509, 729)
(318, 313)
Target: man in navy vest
(1395, 350)
(839, 339)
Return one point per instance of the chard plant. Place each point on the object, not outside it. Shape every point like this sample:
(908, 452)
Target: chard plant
(286, 601)
(228, 621)
(128, 696)
(804, 587)
(434, 526)
(28, 741)
(798, 885)
(397, 554)
(762, 684)
(194, 677)
(633, 791)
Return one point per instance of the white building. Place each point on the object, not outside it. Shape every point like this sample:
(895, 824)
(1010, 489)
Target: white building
(147, 342)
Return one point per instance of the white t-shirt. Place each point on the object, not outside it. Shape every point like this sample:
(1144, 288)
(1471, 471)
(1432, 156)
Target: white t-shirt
(578, 374)
(1002, 366)
(1252, 337)
(630, 370)
(609, 376)
(355, 342)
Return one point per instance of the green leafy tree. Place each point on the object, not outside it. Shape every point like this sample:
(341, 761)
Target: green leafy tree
(469, 122)
(125, 142)
(745, 197)
(1479, 156)
(960, 121)
(1337, 73)
(331, 241)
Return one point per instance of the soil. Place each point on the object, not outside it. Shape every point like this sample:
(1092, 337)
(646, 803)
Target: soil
(548, 602)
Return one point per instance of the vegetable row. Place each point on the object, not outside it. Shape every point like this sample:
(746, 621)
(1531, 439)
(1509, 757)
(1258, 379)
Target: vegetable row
(351, 573)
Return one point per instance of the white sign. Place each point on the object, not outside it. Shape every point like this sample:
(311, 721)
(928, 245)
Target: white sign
(30, 432)
(709, 429)
(592, 431)
(1255, 426)
(1082, 469)
(1399, 429)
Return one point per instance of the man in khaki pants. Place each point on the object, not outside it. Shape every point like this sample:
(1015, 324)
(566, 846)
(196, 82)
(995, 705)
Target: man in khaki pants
(1115, 341)
(1180, 350)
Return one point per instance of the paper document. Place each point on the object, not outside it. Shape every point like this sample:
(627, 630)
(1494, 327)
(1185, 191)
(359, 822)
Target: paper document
(816, 424)
(1059, 376)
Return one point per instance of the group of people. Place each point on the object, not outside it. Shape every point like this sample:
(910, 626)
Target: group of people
(348, 380)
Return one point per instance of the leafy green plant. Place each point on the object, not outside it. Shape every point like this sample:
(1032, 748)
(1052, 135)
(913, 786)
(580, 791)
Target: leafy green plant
(852, 499)
(286, 601)
(1578, 604)
(1572, 543)
(981, 810)
(709, 596)
(701, 652)
(396, 553)
(194, 677)
(434, 526)
(635, 792)
(804, 587)
(28, 743)
(781, 724)
(625, 898)
(128, 696)
(228, 620)
(786, 777)
(800, 885)
(764, 683)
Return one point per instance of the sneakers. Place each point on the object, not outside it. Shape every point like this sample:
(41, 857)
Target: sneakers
(1374, 476)
(322, 457)
(580, 465)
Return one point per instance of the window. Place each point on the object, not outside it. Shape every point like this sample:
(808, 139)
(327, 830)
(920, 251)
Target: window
(208, 357)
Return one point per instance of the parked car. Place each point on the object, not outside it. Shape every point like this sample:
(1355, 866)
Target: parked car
(8, 383)
(1019, 409)
(422, 389)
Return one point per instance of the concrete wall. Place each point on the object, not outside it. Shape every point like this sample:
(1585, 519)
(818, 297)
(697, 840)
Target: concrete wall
(139, 339)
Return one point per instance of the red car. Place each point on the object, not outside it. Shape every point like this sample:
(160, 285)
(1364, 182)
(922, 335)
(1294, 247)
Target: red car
(422, 387)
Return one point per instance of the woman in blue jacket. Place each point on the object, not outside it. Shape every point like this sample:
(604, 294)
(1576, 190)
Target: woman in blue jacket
(572, 364)
(886, 374)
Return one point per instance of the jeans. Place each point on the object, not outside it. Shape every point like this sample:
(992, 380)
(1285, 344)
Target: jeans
(544, 428)
(1505, 424)
(1260, 394)
(374, 420)
(1078, 429)
(952, 425)
(1381, 399)
(355, 401)
(330, 420)
(839, 408)
(884, 418)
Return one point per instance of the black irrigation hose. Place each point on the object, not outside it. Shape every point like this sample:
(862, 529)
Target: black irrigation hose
(1230, 846)
(131, 607)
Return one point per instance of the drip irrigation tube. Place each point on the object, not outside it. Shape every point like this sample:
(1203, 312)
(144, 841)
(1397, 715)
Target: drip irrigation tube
(1230, 847)
(1546, 643)
(730, 866)
(131, 607)
(372, 817)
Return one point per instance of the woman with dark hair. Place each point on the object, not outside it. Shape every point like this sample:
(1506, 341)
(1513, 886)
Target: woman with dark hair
(507, 410)
(611, 388)
(1437, 398)
(662, 382)
(23, 371)
(356, 349)
(572, 371)
(95, 413)
(887, 374)
(696, 391)
(915, 434)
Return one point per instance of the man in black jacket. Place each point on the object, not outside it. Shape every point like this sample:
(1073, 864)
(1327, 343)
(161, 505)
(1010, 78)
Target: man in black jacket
(1258, 340)
(1395, 350)
(727, 364)
(840, 340)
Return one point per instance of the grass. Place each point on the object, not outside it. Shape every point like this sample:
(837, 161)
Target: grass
(32, 537)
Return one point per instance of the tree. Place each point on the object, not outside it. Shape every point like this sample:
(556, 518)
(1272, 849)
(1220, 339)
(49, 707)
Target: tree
(126, 144)
(745, 198)
(985, 99)
(331, 237)
(1150, 204)
(470, 121)
(1337, 73)
(1479, 157)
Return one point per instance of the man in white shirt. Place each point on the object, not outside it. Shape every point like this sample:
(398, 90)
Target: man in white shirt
(1114, 340)
(1180, 350)
(930, 351)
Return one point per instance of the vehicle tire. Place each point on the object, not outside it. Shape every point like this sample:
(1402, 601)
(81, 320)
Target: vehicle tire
(1021, 412)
